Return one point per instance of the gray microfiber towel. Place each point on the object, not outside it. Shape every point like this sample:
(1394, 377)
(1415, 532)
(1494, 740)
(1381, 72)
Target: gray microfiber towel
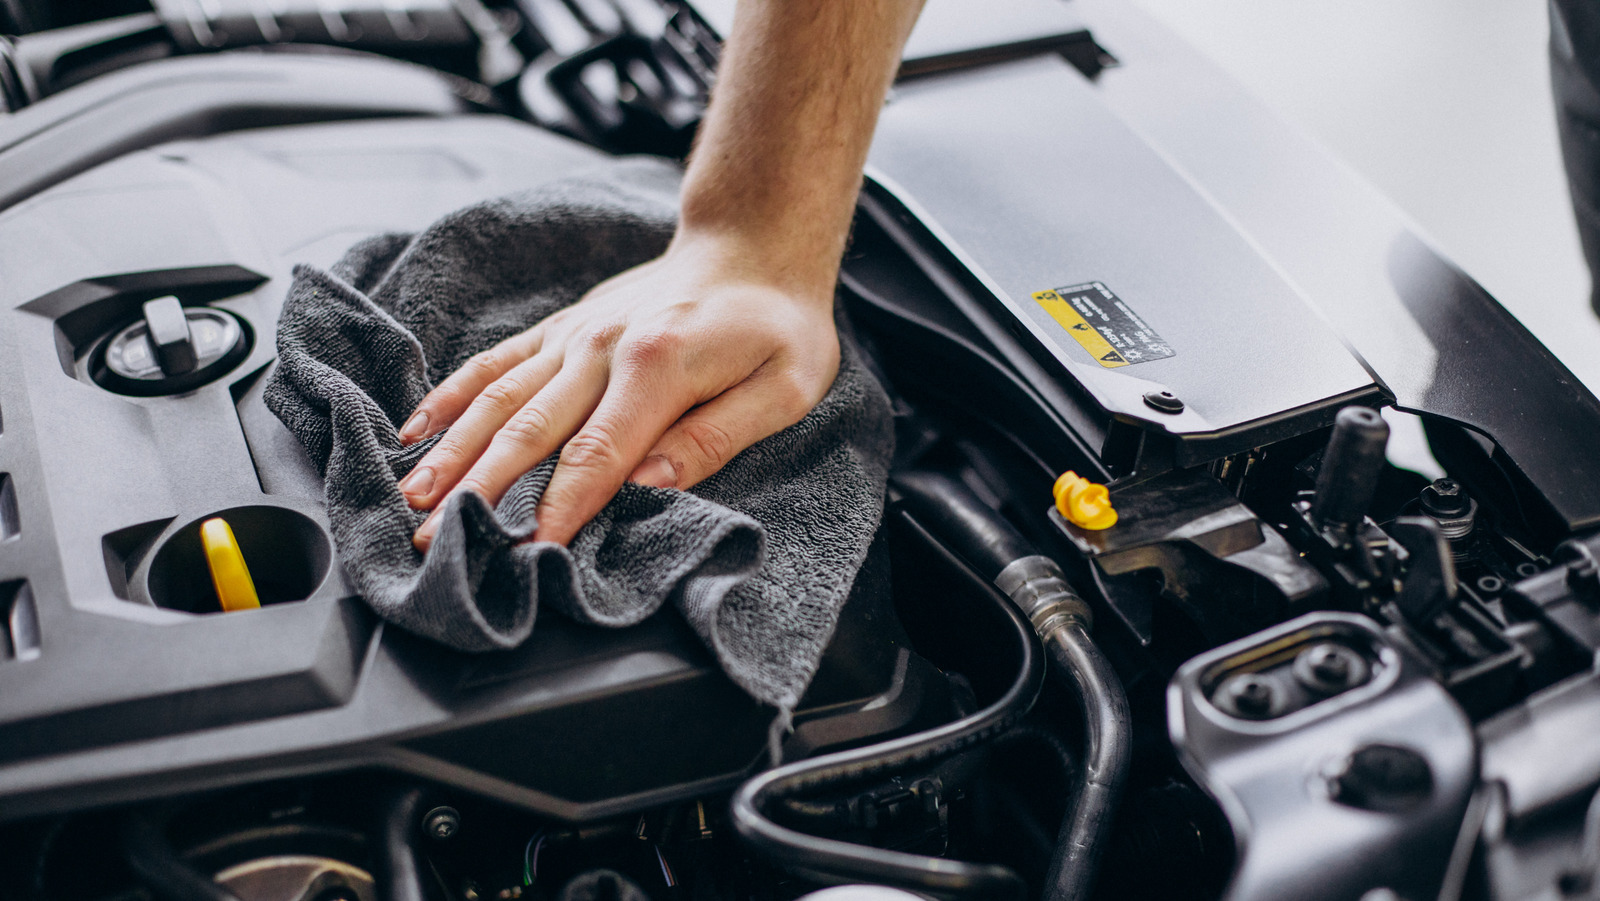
(759, 558)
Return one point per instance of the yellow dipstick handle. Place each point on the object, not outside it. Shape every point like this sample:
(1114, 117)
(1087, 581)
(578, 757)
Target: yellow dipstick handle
(235, 588)
(1083, 503)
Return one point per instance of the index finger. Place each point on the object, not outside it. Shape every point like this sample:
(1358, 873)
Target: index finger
(450, 398)
(632, 415)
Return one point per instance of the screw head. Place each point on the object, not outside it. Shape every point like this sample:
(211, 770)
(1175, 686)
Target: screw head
(1445, 497)
(1329, 668)
(1163, 401)
(1250, 695)
(1329, 664)
(441, 822)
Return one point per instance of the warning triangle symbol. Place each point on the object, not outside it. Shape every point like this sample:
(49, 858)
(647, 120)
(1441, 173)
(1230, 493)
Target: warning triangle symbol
(1113, 357)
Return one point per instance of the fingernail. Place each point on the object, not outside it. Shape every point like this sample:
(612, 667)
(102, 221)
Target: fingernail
(419, 483)
(657, 472)
(424, 536)
(415, 427)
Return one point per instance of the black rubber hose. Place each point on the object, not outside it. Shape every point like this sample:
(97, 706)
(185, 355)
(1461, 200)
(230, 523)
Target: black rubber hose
(1108, 749)
(832, 860)
(398, 877)
(158, 867)
(951, 511)
(1038, 587)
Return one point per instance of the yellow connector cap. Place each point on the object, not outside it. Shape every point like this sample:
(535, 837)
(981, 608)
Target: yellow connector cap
(235, 588)
(1083, 503)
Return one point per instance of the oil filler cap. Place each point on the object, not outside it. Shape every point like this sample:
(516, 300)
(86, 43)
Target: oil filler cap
(229, 574)
(171, 349)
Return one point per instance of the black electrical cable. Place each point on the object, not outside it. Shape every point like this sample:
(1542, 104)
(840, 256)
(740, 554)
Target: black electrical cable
(158, 867)
(831, 859)
(1055, 744)
(1038, 587)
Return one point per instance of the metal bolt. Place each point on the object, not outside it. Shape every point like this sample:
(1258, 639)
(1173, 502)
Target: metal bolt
(1329, 664)
(1449, 504)
(1444, 498)
(1490, 584)
(441, 822)
(1330, 667)
(1164, 401)
(1253, 694)
(1250, 695)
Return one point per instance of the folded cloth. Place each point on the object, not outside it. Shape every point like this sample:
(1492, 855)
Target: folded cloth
(759, 558)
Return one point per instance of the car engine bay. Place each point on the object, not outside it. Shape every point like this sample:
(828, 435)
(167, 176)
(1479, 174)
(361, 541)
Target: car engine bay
(1290, 668)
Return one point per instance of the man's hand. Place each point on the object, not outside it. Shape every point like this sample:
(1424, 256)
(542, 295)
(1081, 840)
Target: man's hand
(659, 376)
(665, 372)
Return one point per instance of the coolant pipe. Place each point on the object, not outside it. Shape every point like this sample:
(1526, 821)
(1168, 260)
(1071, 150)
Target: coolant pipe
(831, 860)
(1036, 584)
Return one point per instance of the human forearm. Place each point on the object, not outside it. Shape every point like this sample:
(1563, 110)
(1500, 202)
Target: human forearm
(778, 160)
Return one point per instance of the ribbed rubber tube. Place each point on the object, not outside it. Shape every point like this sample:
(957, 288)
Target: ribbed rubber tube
(831, 860)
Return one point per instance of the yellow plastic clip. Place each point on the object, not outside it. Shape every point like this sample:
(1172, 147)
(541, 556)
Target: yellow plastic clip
(1083, 503)
(235, 588)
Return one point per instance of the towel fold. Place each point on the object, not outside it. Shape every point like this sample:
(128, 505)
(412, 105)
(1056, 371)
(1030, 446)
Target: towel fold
(758, 558)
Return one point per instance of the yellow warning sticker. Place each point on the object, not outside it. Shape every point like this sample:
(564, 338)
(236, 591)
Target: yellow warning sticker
(1103, 325)
(1080, 329)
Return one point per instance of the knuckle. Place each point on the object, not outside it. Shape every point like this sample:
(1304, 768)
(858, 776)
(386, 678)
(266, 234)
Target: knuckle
(598, 339)
(502, 394)
(793, 396)
(526, 427)
(487, 364)
(591, 448)
(709, 441)
(453, 446)
(652, 349)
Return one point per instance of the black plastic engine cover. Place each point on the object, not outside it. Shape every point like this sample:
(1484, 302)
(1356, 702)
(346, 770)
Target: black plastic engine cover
(117, 684)
(1118, 274)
